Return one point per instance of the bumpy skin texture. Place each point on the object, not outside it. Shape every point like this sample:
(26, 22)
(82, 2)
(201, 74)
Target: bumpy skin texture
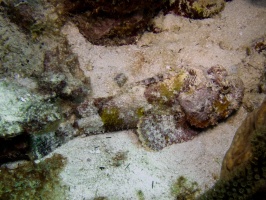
(168, 108)
(209, 101)
(162, 131)
(204, 98)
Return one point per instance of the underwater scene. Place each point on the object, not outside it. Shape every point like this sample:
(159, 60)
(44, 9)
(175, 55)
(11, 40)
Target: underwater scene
(132, 100)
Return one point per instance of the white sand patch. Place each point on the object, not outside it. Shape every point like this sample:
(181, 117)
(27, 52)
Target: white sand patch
(91, 172)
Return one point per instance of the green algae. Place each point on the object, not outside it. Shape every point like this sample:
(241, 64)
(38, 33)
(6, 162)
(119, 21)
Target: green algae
(184, 189)
(140, 195)
(176, 86)
(207, 8)
(33, 181)
(110, 117)
(164, 93)
(140, 112)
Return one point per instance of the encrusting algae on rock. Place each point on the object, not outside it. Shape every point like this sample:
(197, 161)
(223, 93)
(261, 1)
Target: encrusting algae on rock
(41, 81)
(33, 181)
(198, 9)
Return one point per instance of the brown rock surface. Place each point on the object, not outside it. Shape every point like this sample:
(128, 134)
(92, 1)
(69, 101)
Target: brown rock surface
(112, 22)
(240, 151)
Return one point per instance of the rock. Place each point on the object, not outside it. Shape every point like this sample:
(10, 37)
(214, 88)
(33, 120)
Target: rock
(23, 114)
(243, 146)
(113, 22)
(43, 144)
(34, 180)
(49, 62)
(198, 9)
(120, 79)
(15, 148)
(18, 53)
(62, 74)
(243, 173)
(34, 17)
(22, 111)
(41, 81)
(114, 8)
(90, 121)
(262, 84)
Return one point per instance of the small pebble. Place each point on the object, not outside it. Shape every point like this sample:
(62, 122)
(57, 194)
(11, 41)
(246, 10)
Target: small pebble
(120, 79)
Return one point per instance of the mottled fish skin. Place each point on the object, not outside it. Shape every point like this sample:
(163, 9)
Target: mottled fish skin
(166, 108)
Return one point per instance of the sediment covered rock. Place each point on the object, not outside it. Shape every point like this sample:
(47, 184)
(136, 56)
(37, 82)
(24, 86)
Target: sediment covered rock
(34, 17)
(22, 114)
(22, 111)
(40, 84)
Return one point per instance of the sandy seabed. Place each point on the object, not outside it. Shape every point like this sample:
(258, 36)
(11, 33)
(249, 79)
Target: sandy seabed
(226, 39)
